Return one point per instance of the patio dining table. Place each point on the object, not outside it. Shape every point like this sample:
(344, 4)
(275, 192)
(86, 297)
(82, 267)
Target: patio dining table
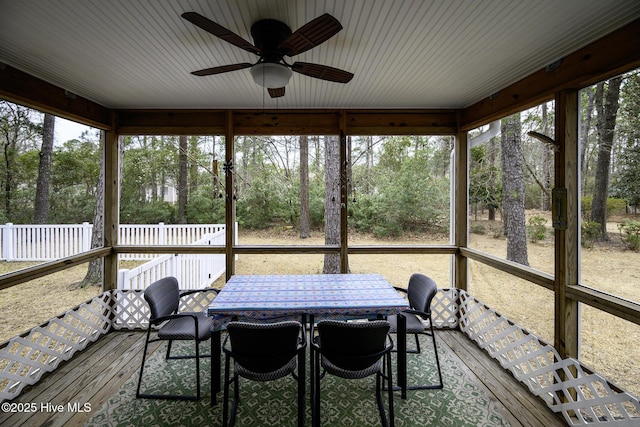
(272, 298)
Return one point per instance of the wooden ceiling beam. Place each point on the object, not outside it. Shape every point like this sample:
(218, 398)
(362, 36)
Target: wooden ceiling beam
(287, 122)
(401, 122)
(171, 122)
(614, 54)
(24, 89)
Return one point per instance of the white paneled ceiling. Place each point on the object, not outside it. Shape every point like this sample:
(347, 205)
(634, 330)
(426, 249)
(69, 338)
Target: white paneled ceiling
(404, 54)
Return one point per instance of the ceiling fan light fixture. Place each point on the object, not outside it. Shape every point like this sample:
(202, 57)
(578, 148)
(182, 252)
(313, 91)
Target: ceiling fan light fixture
(271, 74)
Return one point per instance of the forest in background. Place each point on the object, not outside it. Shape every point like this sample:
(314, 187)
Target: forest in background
(398, 187)
(396, 184)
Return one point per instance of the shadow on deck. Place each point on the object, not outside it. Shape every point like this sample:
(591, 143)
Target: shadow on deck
(94, 375)
(63, 372)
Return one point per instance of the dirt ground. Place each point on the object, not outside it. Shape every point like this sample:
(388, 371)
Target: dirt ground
(609, 345)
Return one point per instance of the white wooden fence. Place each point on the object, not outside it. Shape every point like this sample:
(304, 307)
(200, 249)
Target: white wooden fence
(30, 242)
(163, 234)
(194, 271)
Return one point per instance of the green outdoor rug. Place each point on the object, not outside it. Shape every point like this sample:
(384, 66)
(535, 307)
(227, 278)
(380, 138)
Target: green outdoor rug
(462, 402)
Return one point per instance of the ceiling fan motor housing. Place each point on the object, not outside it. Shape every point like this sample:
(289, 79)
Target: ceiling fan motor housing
(267, 35)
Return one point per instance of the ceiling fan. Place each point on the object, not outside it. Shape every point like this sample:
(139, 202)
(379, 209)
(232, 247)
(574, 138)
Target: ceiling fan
(273, 40)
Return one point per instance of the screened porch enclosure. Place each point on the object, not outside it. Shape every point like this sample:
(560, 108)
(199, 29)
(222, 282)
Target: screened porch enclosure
(553, 353)
(514, 402)
(570, 391)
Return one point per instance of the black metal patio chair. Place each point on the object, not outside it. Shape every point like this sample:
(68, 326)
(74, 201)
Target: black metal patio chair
(263, 352)
(420, 292)
(163, 297)
(352, 350)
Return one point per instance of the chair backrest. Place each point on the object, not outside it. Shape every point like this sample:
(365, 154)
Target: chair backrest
(263, 347)
(163, 297)
(420, 292)
(353, 346)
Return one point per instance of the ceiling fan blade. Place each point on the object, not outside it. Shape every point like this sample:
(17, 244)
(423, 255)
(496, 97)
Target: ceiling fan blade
(276, 92)
(310, 35)
(221, 69)
(323, 72)
(220, 31)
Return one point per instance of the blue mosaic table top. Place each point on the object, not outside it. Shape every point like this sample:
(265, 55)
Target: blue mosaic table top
(322, 295)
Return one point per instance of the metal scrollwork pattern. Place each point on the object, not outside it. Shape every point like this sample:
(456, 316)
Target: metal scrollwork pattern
(227, 167)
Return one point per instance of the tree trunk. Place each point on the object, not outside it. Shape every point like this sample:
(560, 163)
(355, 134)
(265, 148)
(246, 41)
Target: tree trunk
(546, 164)
(16, 128)
(182, 180)
(41, 213)
(492, 177)
(350, 194)
(305, 228)
(94, 271)
(332, 202)
(607, 114)
(10, 160)
(513, 190)
(194, 179)
(317, 157)
(368, 163)
(584, 136)
(215, 177)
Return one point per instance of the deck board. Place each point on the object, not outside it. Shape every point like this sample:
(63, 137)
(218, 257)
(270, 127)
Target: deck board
(526, 408)
(93, 375)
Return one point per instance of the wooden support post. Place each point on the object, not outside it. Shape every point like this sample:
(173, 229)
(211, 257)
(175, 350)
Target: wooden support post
(230, 205)
(460, 209)
(344, 189)
(567, 234)
(111, 159)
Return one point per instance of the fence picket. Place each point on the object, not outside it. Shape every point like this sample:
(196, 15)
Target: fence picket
(193, 271)
(48, 242)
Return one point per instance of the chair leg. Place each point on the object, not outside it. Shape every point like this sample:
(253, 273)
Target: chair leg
(440, 384)
(315, 392)
(417, 346)
(167, 396)
(226, 419)
(312, 388)
(385, 375)
(437, 386)
(197, 370)
(301, 387)
(435, 350)
(236, 399)
(225, 401)
(168, 356)
(383, 416)
(312, 375)
(215, 366)
(390, 387)
(144, 357)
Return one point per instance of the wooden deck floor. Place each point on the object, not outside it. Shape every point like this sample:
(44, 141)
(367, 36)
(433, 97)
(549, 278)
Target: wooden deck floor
(93, 375)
